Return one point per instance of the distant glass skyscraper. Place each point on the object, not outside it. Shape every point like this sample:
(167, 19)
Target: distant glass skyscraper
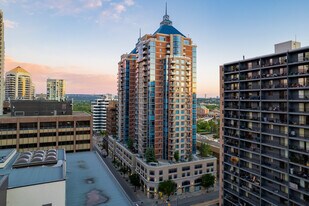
(1, 62)
(157, 93)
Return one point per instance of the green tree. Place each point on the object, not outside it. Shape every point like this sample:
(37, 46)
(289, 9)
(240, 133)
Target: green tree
(130, 144)
(81, 106)
(167, 187)
(103, 133)
(176, 156)
(205, 150)
(208, 180)
(135, 181)
(150, 155)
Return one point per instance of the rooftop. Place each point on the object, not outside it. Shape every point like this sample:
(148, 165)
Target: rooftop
(89, 181)
(18, 70)
(33, 175)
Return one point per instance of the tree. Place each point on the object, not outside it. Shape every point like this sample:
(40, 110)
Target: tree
(208, 180)
(103, 133)
(150, 155)
(205, 150)
(176, 156)
(167, 187)
(135, 181)
(130, 144)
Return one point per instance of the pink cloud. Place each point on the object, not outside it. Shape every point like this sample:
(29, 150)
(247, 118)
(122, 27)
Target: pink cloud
(76, 82)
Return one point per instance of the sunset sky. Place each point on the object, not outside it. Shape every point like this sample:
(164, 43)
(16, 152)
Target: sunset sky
(81, 41)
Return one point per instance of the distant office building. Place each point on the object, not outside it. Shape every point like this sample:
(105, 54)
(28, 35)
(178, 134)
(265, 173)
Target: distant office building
(2, 93)
(99, 112)
(32, 178)
(157, 93)
(18, 85)
(40, 108)
(265, 129)
(55, 89)
(45, 125)
(111, 118)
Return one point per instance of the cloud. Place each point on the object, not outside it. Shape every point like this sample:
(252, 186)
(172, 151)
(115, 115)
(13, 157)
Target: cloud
(77, 82)
(100, 9)
(115, 10)
(93, 4)
(10, 24)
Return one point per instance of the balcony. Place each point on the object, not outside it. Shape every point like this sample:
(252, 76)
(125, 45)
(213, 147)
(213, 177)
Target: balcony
(274, 86)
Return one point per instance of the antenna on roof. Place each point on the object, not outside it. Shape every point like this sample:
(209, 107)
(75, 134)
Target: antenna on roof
(140, 32)
(166, 8)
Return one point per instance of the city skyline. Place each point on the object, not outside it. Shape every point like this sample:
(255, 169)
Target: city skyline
(72, 39)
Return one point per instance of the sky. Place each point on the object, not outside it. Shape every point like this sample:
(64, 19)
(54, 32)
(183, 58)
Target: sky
(81, 41)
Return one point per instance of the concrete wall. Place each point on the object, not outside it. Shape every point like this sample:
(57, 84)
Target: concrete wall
(3, 189)
(37, 195)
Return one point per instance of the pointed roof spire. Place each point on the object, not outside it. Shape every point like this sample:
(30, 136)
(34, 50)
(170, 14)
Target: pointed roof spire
(166, 18)
(140, 32)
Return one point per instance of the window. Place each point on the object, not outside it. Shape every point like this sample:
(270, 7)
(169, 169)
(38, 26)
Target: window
(210, 164)
(160, 172)
(175, 176)
(151, 172)
(198, 166)
(186, 168)
(161, 38)
(173, 170)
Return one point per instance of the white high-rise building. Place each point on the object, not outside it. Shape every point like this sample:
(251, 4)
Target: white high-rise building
(1, 62)
(99, 111)
(18, 85)
(55, 89)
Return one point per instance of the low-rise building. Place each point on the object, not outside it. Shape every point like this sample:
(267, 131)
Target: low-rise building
(34, 128)
(187, 175)
(32, 178)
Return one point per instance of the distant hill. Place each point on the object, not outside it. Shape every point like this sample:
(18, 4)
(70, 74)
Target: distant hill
(83, 97)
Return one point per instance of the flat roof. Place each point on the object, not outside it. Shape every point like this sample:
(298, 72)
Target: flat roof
(89, 182)
(21, 177)
(267, 55)
(75, 113)
(4, 154)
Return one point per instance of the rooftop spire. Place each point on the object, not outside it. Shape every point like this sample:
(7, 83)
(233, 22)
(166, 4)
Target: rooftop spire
(166, 18)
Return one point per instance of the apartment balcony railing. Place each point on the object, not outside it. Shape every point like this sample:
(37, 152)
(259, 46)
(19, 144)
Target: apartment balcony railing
(274, 142)
(250, 87)
(253, 159)
(273, 76)
(274, 188)
(272, 166)
(252, 200)
(273, 131)
(297, 148)
(250, 108)
(252, 97)
(274, 86)
(269, 198)
(275, 178)
(250, 178)
(277, 155)
(274, 120)
(231, 79)
(256, 129)
(297, 85)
